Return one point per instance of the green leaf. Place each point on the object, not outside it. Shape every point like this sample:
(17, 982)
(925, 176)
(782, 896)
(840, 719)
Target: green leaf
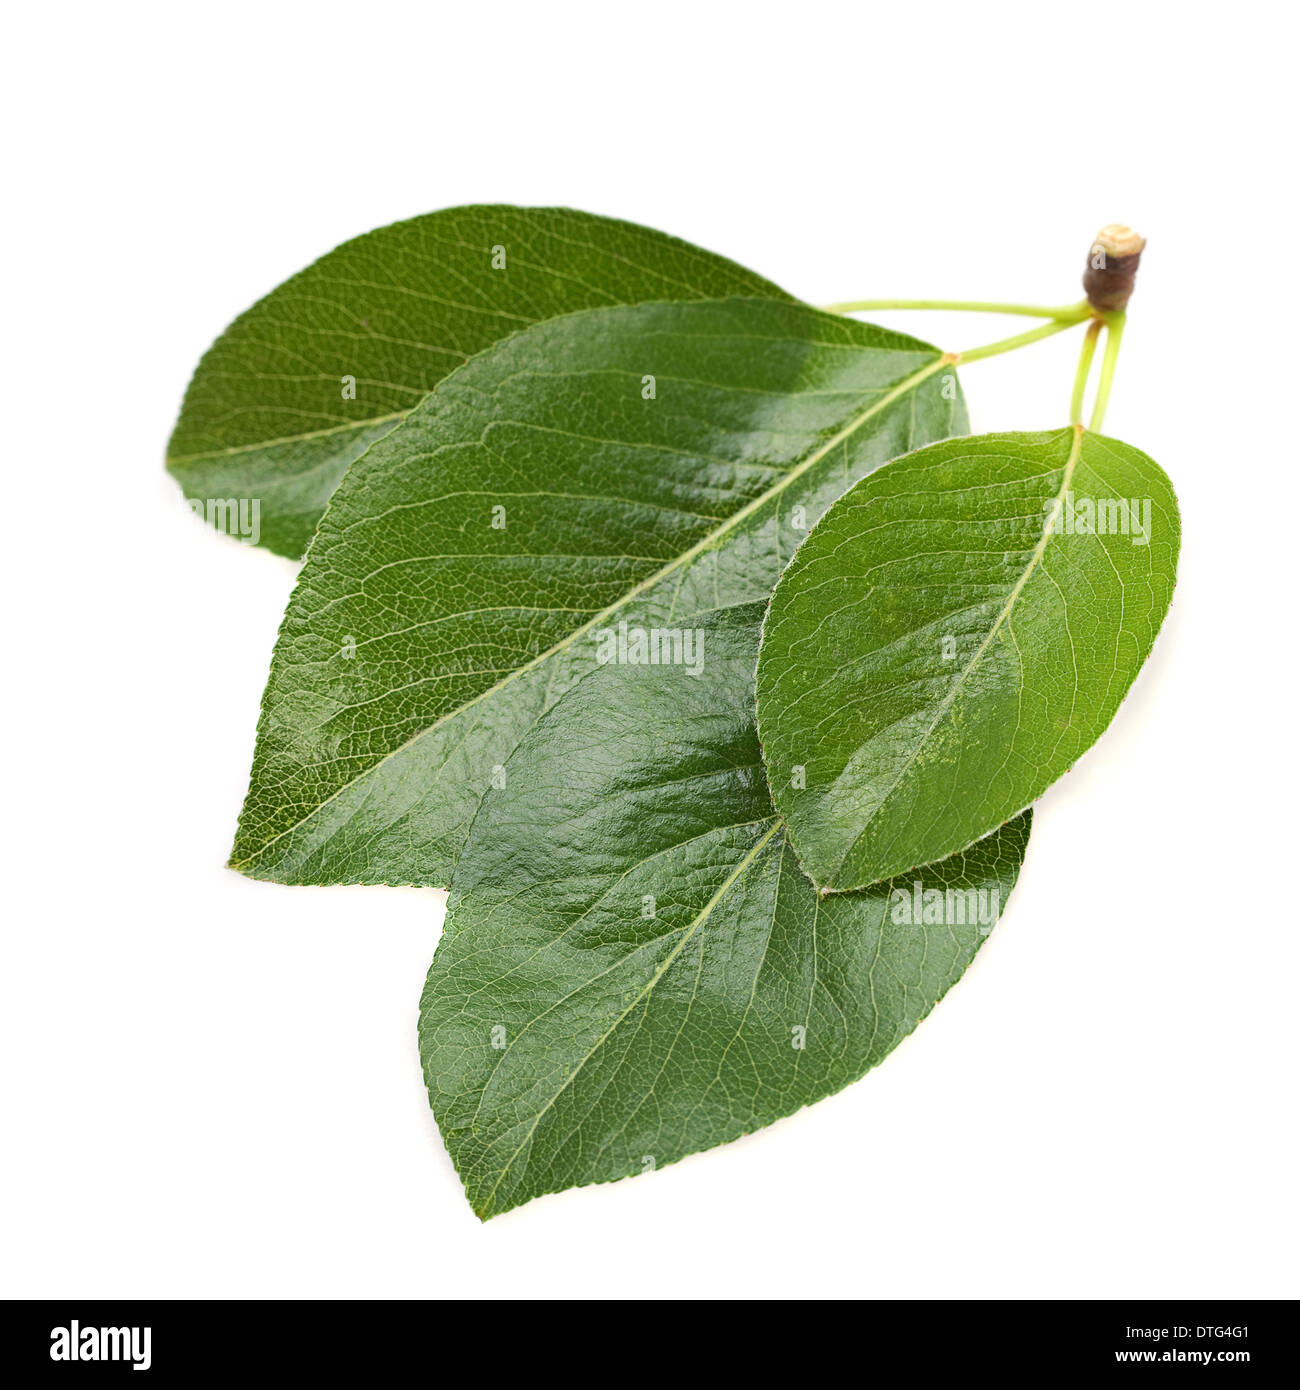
(631, 464)
(950, 639)
(387, 315)
(633, 967)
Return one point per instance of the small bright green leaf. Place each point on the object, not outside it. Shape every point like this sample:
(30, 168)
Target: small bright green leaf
(633, 967)
(959, 628)
(312, 375)
(632, 465)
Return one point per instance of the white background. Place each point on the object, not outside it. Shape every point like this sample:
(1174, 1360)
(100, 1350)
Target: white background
(210, 1086)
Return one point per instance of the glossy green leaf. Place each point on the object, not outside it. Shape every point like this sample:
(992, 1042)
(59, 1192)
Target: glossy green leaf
(959, 628)
(633, 967)
(305, 381)
(629, 465)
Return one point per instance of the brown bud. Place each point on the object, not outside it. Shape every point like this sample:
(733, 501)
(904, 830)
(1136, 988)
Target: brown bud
(1112, 265)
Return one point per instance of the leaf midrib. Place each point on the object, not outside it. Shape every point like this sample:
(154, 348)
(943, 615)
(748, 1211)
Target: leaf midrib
(699, 919)
(945, 704)
(908, 383)
(175, 459)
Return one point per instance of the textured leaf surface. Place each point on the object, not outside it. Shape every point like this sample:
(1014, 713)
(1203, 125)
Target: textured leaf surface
(266, 416)
(424, 638)
(950, 639)
(634, 968)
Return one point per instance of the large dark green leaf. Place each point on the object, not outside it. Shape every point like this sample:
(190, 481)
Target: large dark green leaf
(423, 639)
(310, 376)
(634, 968)
(959, 628)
